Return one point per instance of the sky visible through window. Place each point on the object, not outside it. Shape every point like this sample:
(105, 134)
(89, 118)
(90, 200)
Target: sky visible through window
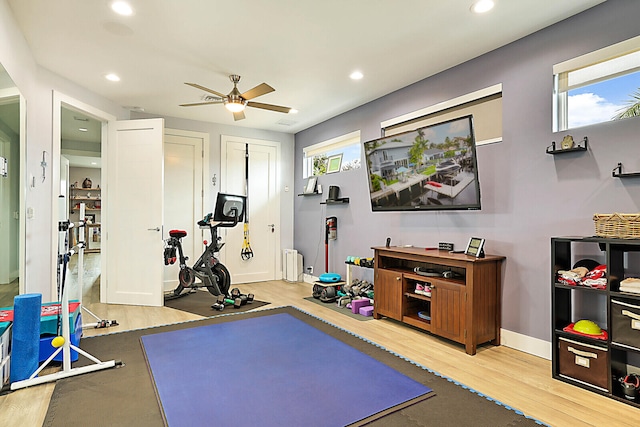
(600, 102)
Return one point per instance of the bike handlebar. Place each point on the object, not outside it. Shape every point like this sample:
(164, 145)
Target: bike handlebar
(207, 220)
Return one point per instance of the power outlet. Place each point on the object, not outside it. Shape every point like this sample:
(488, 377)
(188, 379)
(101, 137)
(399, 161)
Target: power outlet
(310, 269)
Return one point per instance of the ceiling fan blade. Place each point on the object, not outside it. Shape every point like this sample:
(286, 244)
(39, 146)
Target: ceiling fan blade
(257, 91)
(238, 116)
(206, 89)
(201, 103)
(271, 107)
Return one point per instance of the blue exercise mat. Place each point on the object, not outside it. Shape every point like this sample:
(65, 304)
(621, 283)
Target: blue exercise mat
(270, 371)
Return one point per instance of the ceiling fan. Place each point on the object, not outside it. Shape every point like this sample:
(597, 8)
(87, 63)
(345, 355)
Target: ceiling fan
(236, 101)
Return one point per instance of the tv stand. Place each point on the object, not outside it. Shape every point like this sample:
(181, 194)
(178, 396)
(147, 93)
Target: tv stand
(464, 307)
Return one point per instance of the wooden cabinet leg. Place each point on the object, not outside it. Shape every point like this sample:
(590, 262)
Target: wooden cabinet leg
(470, 349)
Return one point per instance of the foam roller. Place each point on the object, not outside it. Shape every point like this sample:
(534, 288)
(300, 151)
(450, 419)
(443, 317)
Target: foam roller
(25, 336)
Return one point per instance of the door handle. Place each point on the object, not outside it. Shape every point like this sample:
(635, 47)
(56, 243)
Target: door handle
(272, 227)
(154, 229)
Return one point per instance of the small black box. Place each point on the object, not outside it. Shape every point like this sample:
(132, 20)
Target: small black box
(445, 246)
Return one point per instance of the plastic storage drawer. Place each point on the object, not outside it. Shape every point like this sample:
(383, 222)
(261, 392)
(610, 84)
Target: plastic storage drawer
(585, 363)
(625, 319)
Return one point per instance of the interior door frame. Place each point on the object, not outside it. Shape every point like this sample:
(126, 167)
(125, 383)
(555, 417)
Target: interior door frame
(60, 100)
(22, 186)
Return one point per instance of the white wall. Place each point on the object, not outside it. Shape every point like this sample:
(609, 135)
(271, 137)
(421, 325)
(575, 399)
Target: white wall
(36, 86)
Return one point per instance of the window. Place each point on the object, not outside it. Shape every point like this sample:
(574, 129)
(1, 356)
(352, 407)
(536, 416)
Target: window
(316, 156)
(485, 105)
(598, 87)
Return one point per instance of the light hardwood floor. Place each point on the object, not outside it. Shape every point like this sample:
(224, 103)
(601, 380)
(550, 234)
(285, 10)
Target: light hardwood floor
(517, 379)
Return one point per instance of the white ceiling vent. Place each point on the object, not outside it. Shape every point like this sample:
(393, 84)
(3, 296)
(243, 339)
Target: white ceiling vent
(285, 122)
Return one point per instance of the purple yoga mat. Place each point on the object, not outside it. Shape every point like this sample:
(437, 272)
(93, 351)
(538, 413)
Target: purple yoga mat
(269, 371)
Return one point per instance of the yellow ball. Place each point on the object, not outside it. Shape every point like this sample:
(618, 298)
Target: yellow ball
(57, 341)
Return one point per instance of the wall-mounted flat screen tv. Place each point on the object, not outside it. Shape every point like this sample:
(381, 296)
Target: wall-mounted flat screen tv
(430, 168)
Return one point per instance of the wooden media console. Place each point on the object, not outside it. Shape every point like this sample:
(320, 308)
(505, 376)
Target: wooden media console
(464, 306)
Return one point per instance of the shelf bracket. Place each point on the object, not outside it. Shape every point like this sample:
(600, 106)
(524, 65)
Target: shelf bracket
(617, 173)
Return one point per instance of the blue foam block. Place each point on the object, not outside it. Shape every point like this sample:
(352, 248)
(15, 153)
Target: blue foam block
(25, 337)
(46, 349)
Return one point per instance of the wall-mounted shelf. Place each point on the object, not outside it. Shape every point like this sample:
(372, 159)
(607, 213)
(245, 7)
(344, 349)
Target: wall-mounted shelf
(617, 173)
(309, 194)
(552, 148)
(340, 201)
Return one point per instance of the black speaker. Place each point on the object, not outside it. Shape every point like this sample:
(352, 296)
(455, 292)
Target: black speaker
(334, 192)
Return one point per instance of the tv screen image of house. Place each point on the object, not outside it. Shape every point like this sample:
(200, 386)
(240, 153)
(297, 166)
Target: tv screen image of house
(430, 168)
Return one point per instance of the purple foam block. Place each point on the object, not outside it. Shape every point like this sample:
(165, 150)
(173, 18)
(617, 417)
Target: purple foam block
(357, 303)
(367, 311)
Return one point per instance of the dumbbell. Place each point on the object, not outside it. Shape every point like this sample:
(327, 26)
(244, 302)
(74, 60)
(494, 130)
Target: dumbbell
(218, 306)
(224, 300)
(235, 293)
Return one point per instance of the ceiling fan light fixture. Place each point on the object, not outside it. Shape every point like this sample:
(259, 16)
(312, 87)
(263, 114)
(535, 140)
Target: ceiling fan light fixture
(234, 106)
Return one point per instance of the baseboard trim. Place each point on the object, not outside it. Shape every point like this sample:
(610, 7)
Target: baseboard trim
(308, 278)
(534, 346)
(530, 345)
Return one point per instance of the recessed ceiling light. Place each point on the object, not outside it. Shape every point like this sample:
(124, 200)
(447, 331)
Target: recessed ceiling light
(356, 75)
(94, 163)
(122, 8)
(112, 77)
(482, 6)
(293, 111)
(83, 129)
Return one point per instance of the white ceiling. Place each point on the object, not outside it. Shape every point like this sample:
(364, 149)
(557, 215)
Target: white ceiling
(305, 49)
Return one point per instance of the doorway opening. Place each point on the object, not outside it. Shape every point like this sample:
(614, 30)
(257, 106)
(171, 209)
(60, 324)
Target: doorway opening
(81, 181)
(12, 164)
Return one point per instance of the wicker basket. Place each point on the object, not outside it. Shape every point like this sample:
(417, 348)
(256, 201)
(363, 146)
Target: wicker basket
(616, 225)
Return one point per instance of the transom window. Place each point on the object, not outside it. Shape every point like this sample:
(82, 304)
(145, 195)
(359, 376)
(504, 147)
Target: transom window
(346, 147)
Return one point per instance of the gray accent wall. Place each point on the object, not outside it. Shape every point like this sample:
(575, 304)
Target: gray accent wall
(528, 196)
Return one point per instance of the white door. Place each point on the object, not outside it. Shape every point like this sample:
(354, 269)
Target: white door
(135, 212)
(264, 208)
(183, 195)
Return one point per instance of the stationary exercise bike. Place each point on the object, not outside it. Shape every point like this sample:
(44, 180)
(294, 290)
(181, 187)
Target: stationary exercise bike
(207, 272)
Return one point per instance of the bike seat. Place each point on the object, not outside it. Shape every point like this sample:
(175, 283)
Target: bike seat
(177, 233)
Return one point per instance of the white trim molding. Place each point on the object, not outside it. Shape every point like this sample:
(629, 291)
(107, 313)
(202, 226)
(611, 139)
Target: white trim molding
(527, 344)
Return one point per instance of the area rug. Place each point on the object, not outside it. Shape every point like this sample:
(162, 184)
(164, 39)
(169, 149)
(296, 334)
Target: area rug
(200, 302)
(341, 310)
(285, 372)
(125, 396)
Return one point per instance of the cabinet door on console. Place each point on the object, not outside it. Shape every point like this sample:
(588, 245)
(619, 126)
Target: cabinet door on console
(447, 310)
(388, 297)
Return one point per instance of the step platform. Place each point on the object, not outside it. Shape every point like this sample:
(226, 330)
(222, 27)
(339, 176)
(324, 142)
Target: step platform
(320, 290)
